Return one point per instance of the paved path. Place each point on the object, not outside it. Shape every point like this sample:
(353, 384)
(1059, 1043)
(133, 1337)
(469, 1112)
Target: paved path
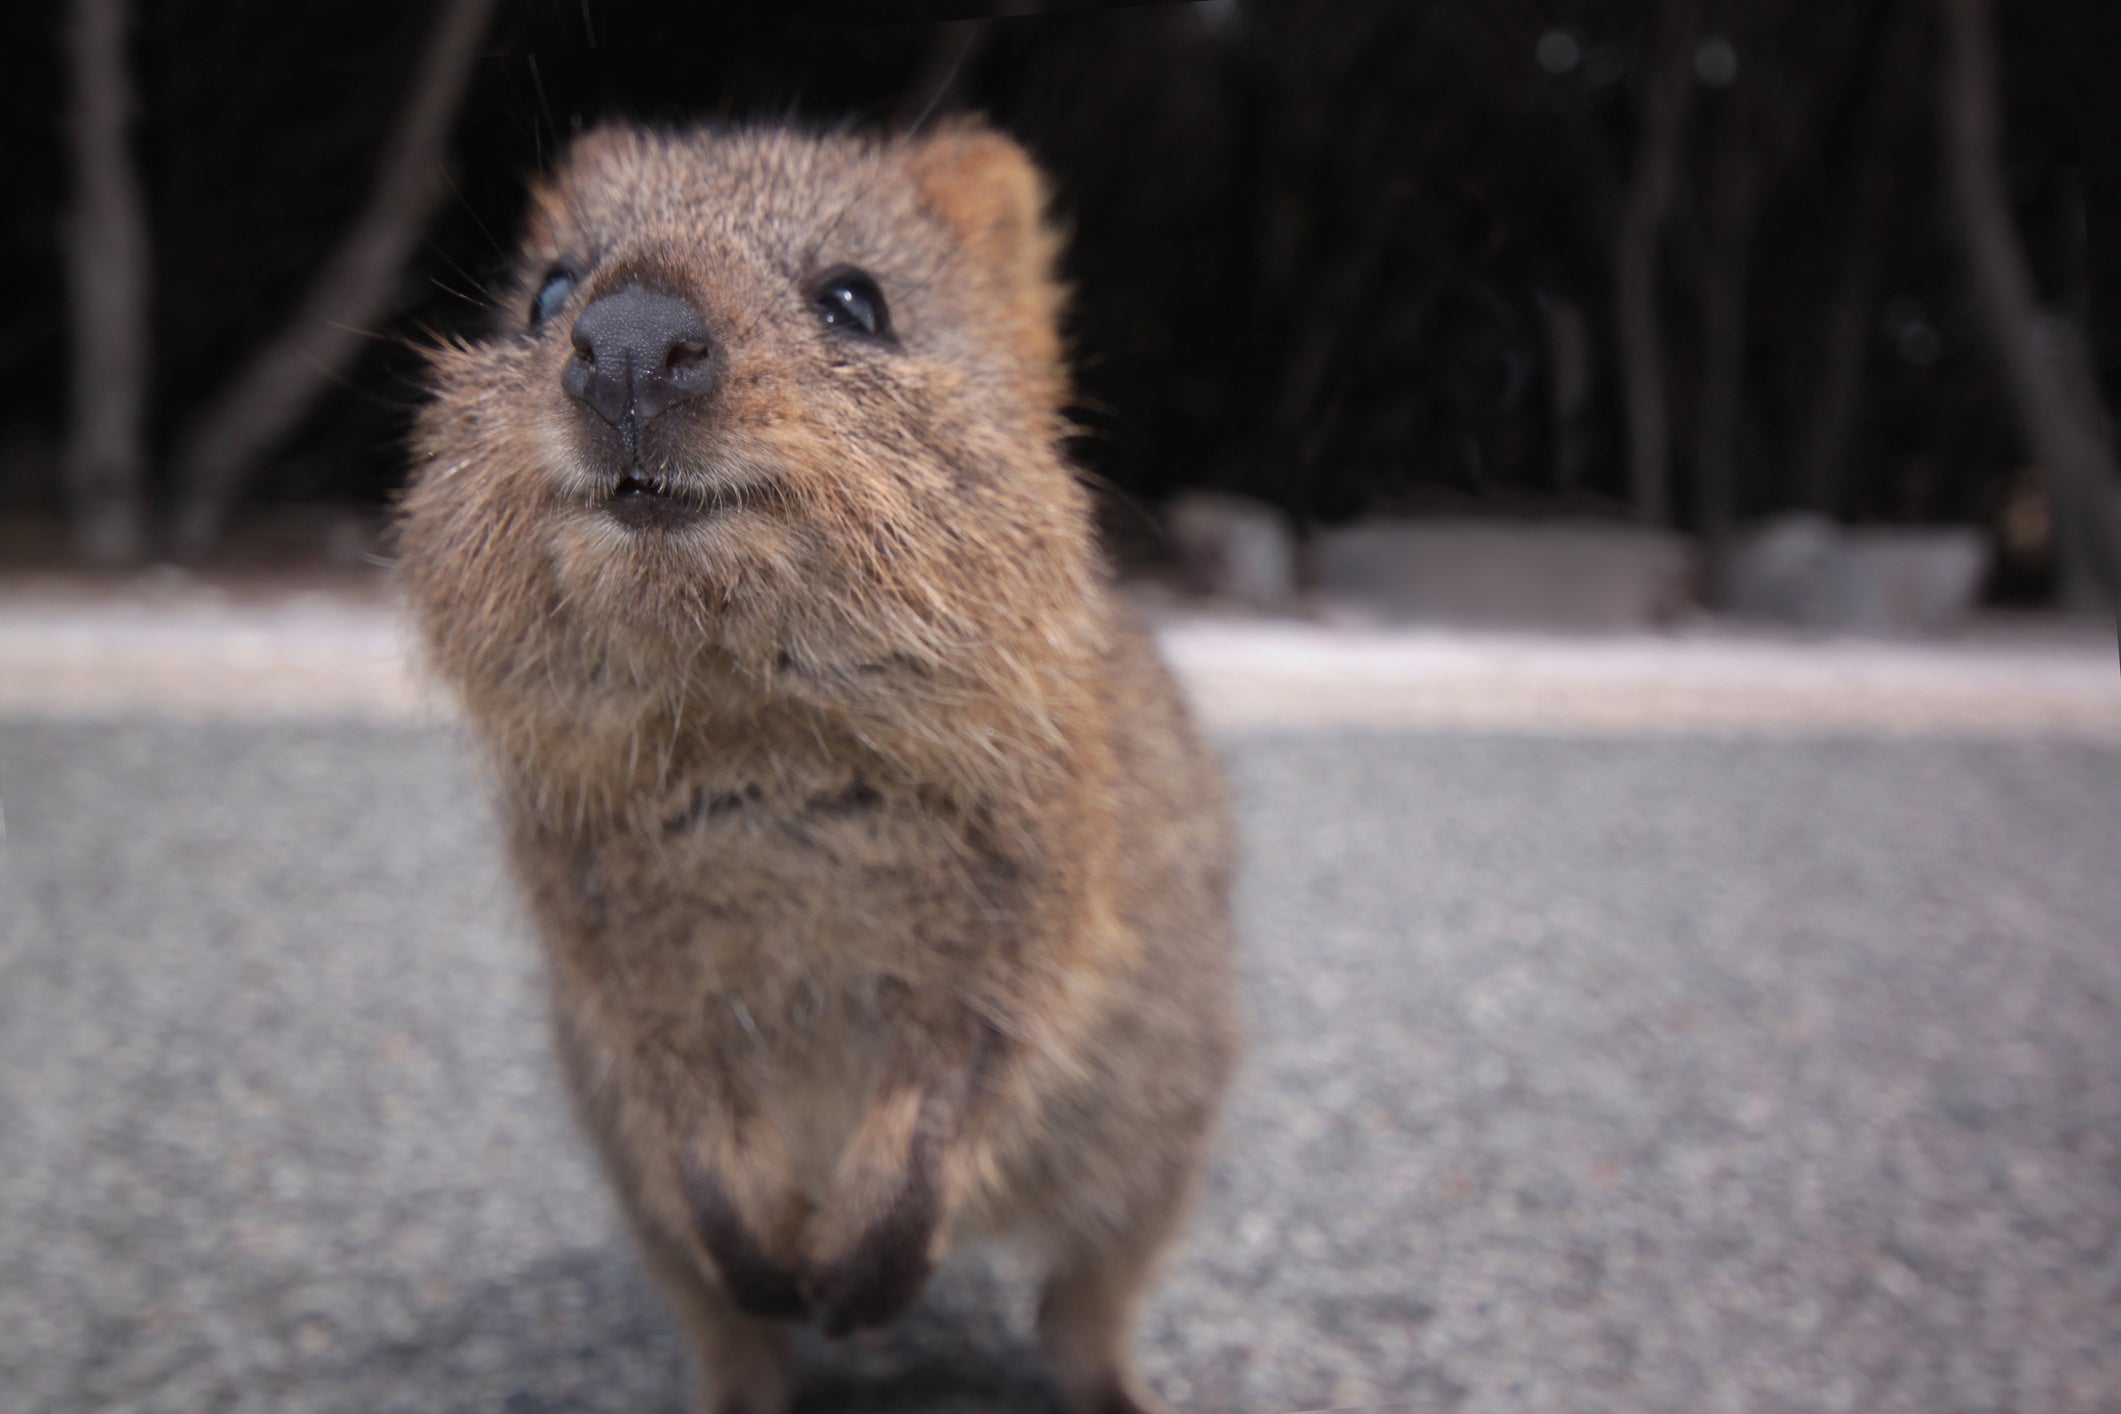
(1661, 1071)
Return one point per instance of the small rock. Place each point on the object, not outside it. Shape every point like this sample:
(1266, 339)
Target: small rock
(1234, 548)
(1805, 570)
(1778, 570)
(1516, 574)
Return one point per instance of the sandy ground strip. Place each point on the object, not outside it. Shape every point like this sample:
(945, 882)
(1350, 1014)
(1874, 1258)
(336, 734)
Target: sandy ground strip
(309, 654)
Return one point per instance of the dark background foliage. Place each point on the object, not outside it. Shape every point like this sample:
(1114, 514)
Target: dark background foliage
(1349, 256)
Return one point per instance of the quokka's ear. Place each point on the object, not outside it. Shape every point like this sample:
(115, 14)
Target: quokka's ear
(986, 187)
(610, 150)
(614, 152)
(993, 196)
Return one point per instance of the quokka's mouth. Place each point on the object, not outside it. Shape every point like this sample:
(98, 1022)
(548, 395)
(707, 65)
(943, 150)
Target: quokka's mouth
(645, 502)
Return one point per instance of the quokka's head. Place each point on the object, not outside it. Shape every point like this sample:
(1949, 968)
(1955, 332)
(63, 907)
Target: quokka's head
(786, 399)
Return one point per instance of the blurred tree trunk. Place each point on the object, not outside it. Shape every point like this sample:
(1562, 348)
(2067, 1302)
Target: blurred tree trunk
(107, 278)
(2088, 36)
(1791, 70)
(1568, 344)
(1723, 338)
(1642, 217)
(349, 294)
(1876, 179)
(2084, 38)
(2044, 359)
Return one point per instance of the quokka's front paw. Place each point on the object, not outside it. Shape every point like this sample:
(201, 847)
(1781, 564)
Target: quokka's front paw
(759, 1285)
(865, 1271)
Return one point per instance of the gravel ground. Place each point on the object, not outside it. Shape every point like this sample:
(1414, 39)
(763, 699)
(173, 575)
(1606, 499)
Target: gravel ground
(1661, 1073)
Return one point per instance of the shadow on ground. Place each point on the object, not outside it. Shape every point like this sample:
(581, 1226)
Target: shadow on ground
(587, 1330)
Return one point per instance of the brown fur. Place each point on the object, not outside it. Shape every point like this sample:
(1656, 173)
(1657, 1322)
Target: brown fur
(882, 876)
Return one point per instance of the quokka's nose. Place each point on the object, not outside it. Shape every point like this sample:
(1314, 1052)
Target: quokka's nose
(636, 353)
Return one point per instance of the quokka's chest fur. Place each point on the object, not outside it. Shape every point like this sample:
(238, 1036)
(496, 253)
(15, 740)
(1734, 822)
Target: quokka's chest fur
(801, 927)
(752, 887)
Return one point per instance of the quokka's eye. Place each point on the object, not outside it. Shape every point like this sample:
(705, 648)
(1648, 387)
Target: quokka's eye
(848, 299)
(552, 296)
